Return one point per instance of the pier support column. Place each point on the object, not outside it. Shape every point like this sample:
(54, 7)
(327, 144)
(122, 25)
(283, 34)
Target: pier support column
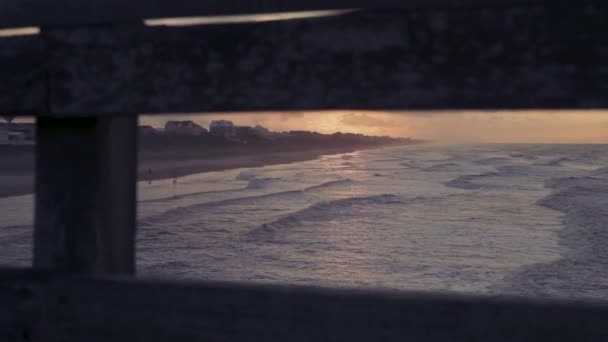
(85, 213)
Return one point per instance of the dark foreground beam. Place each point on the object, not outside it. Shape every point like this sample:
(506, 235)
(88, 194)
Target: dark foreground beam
(536, 57)
(88, 309)
(85, 194)
(75, 12)
(542, 57)
(23, 76)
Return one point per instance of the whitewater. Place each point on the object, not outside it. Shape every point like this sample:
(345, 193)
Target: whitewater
(489, 219)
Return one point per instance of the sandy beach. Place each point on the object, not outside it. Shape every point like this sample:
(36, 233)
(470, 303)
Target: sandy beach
(17, 163)
(16, 170)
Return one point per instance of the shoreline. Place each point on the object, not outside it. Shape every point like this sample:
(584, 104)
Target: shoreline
(170, 169)
(19, 179)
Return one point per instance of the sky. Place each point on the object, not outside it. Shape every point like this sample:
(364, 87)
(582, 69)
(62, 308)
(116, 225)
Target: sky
(461, 127)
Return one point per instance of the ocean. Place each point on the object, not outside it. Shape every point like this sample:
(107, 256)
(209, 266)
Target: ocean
(529, 220)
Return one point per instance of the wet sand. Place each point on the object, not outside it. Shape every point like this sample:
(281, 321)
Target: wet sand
(167, 167)
(17, 163)
(16, 170)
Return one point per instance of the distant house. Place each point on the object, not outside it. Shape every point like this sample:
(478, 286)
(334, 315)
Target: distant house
(301, 133)
(304, 135)
(4, 128)
(245, 134)
(17, 133)
(147, 130)
(222, 128)
(184, 128)
(263, 132)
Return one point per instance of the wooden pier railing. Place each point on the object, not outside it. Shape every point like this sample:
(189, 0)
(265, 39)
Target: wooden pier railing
(95, 65)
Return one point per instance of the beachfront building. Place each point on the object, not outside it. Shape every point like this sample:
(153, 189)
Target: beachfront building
(222, 128)
(263, 132)
(146, 130)
(17, 133)
(304, 135)
(4, 133)
(244, 133)
(184, 128)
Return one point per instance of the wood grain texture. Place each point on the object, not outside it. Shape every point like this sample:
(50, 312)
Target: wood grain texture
(22, 76)
(522, 58)
(553, 57)
(75, 12)
(85, 194)
(95, 309)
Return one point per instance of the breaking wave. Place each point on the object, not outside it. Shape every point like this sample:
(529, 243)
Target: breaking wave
(189, 195)
(523, 156)
(583, 271)
(515, 170)
(468, 182)
(346, 181)
(245, 175)
(178, 212)
(558, 161)
(472, 182)
(443, 167)
(492, 161)
(260, 183)
(319, 212)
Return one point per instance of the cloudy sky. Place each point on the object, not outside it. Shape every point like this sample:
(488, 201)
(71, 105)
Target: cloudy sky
(506, 127)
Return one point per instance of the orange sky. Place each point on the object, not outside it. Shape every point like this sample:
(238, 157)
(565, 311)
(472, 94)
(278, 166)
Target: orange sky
(506, 127)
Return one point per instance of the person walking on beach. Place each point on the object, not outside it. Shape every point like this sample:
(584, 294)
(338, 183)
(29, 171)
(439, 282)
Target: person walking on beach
(149, 175)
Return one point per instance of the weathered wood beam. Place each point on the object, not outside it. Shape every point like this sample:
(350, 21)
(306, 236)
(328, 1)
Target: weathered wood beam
(540, 57)
(85, 194)
(75, 12)
(85, 308)
(544, 57)
(22, 76)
